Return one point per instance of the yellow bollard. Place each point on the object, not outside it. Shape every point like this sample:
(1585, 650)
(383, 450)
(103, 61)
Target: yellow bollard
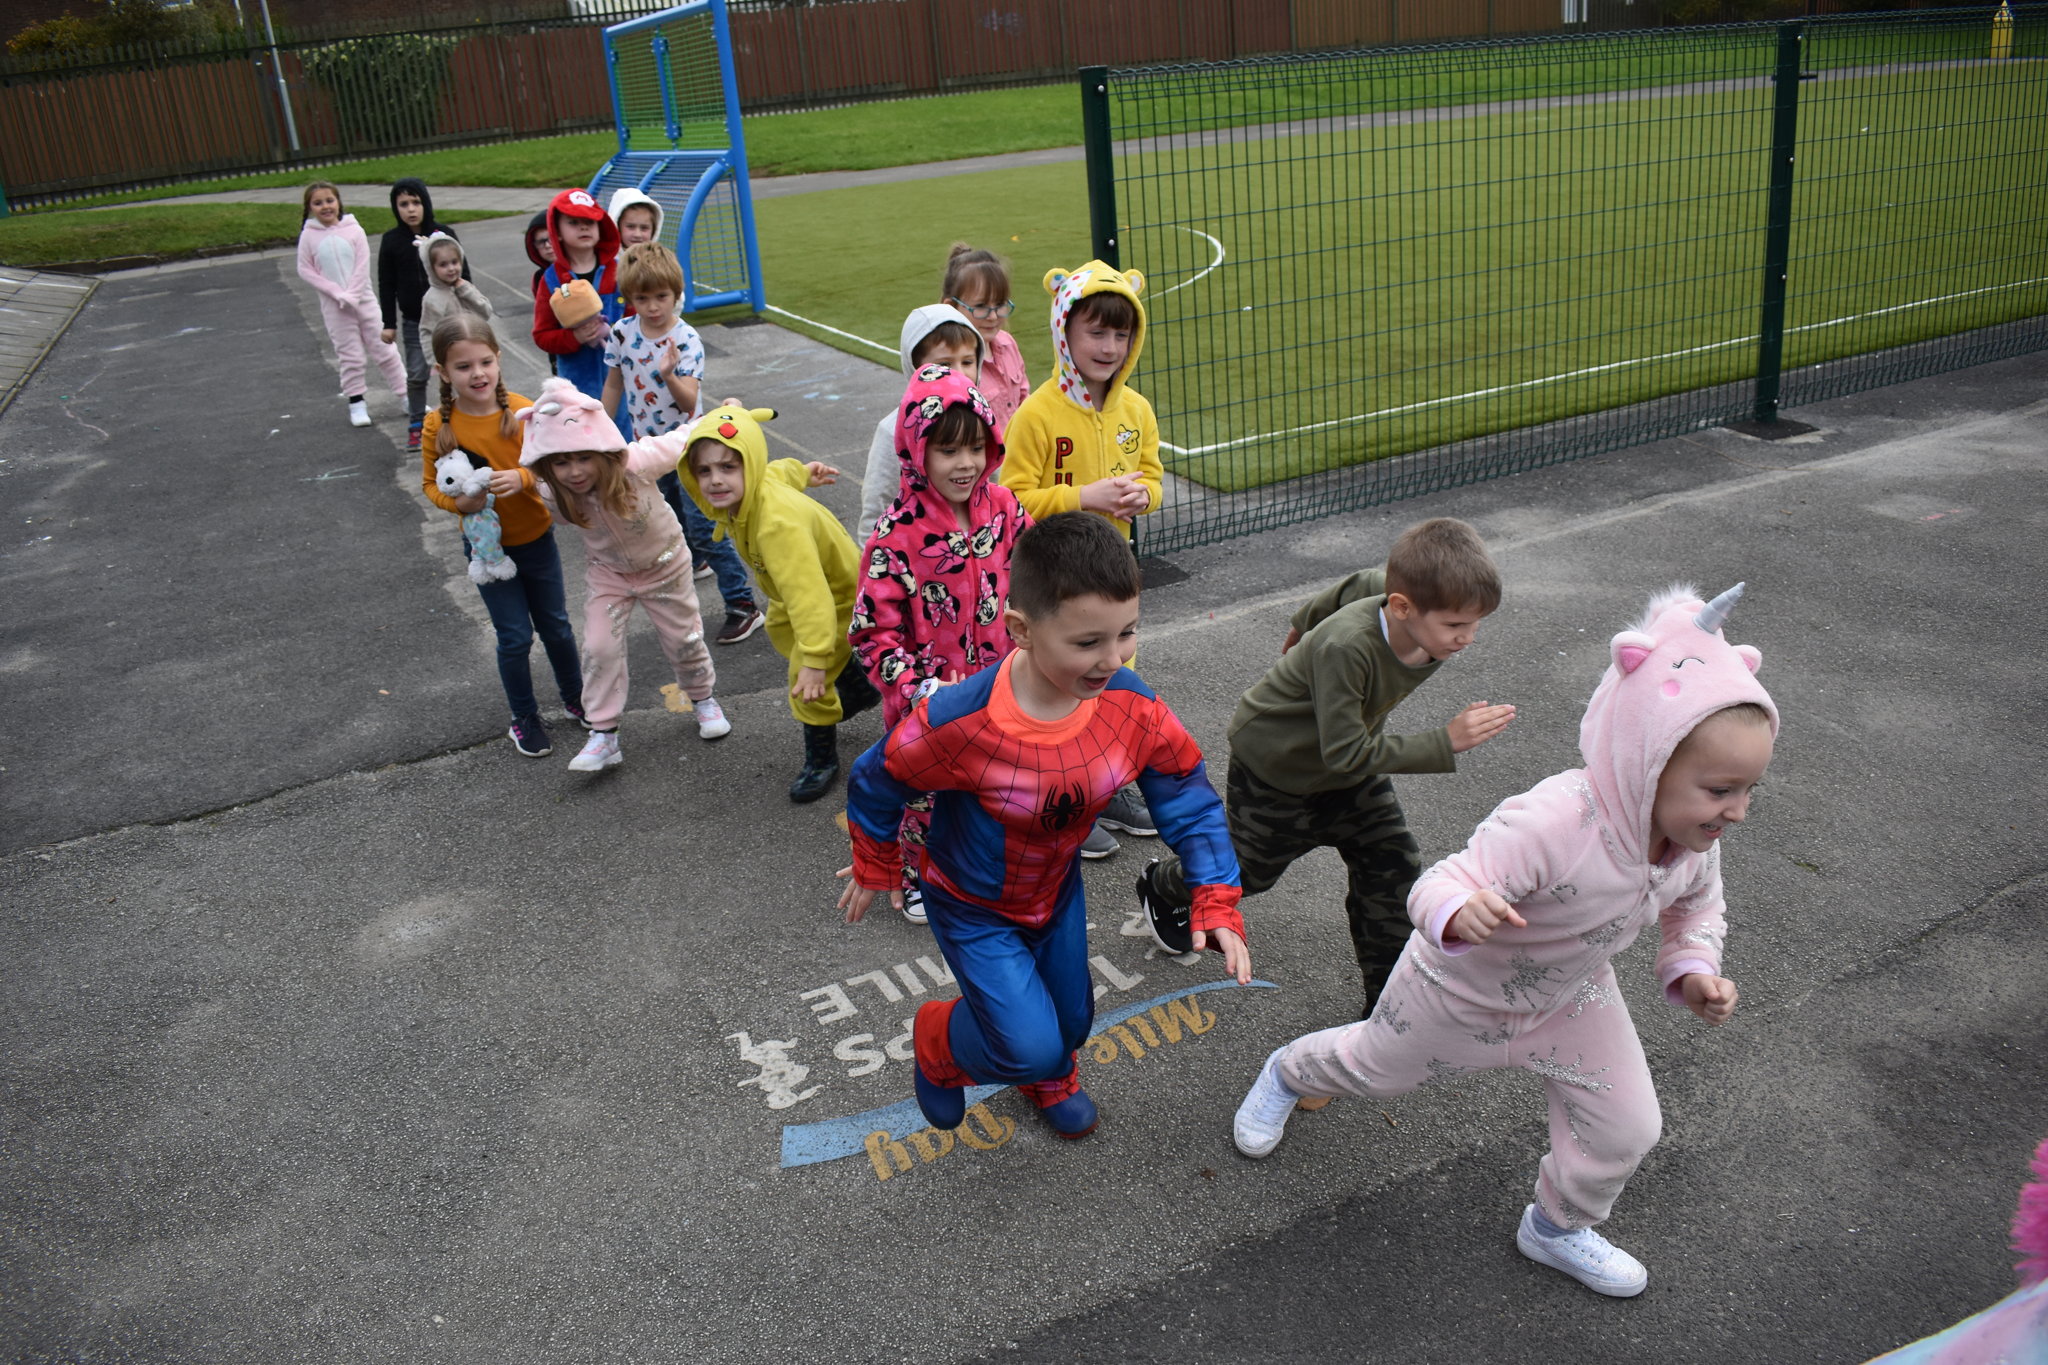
(2001, 32)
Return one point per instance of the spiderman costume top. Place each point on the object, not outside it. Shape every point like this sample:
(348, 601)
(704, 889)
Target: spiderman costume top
(1015, 796)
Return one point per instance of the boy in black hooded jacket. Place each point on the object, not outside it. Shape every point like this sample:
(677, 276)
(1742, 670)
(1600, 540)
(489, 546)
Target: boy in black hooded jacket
(402, 283)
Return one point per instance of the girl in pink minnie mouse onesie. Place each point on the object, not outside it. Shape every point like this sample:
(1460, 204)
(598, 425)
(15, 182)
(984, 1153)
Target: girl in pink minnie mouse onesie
(1510, 961)
(936, 571)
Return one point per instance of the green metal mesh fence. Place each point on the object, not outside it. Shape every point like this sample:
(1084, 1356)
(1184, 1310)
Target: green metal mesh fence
(668, 88)
(1377, 274)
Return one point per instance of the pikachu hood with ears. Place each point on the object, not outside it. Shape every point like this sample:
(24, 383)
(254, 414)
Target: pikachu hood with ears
(803, 560)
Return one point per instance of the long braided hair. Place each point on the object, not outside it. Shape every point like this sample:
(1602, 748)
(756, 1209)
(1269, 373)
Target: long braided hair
(460, 328)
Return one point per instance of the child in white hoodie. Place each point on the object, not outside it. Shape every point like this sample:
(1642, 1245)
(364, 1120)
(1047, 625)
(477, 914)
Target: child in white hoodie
(936, 334)
(447, 292)
(334, 257)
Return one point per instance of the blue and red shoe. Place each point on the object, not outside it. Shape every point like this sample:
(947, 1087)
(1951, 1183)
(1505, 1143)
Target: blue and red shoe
(1073, 1117)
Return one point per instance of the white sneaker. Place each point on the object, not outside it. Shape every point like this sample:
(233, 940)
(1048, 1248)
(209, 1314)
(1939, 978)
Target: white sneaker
(702, 572)
(711, 721)
(1262, 1118)
(358, 413)
(600, 751)
(1584, 1255)
(913, 905)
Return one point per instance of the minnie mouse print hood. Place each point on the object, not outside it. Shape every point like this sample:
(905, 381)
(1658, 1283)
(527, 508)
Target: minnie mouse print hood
(932, 591)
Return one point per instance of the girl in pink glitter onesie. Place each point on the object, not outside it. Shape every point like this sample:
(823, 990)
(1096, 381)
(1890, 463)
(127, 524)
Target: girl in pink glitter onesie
(1510, 961)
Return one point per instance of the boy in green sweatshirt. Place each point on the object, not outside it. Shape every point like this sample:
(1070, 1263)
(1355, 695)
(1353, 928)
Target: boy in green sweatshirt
(1309, 761)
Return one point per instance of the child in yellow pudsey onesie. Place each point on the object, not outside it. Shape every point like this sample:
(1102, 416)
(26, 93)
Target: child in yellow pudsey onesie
(804, 563)
(1085, 440)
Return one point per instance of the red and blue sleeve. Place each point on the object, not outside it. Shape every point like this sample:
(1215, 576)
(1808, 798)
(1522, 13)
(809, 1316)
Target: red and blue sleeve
(877, 791)
(1175, 781)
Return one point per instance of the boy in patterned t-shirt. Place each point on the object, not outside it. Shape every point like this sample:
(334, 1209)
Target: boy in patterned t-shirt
(655, 361)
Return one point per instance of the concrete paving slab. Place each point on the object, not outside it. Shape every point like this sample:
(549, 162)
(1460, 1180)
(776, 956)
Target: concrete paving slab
(407, 1046)
(35, 308)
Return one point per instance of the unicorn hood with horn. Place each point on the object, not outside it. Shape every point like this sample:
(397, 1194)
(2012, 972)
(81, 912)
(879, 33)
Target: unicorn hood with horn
(1669, 671)
(1572, 853)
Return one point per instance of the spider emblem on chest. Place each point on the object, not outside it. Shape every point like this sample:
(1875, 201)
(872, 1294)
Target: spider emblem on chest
(1062, 804)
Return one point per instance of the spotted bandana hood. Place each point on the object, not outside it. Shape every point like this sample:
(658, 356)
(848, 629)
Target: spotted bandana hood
(1669, 672)
(1069, 288)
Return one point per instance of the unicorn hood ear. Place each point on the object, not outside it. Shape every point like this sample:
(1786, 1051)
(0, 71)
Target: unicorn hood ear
(1668, 672)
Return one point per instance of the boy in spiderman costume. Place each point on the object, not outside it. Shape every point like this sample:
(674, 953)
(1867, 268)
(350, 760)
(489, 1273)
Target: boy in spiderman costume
(1021, 757)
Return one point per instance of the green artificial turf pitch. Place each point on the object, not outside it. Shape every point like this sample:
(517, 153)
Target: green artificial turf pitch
(1331, 297)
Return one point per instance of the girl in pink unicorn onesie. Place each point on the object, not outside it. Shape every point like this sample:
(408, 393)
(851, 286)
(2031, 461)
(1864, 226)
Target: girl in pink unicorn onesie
(575, 458)
(935, 574)
(1509, 964)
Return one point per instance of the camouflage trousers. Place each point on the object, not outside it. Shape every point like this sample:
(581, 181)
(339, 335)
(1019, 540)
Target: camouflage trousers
(1271, 828)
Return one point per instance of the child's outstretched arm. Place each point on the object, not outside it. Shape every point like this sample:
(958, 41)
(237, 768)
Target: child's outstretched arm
(904, 763)
(1175, 782)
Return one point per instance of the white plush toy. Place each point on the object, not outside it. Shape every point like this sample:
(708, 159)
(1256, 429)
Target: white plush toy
(458, 477)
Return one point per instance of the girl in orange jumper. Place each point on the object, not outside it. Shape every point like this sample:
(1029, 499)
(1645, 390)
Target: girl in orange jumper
(476, 414)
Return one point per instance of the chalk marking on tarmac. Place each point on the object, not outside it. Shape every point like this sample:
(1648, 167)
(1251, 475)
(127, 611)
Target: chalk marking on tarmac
(806, 1144)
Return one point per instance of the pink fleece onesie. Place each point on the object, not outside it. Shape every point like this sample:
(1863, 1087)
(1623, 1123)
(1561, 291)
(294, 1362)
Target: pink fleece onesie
(932, 594)
(640, 558)
(336, 262)
(1571, 855)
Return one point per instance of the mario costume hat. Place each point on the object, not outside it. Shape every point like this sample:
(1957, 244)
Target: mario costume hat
(563, 421)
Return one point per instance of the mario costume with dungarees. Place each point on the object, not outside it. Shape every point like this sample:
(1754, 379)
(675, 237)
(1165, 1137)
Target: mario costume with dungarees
(1014, 798)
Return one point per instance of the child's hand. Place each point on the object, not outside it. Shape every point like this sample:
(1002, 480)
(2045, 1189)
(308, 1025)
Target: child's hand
(1712, 998)
(855, 899)
(1478, 723)
(1478, 917)
(387, 336)
(670, 356)
(506, 482)
(1237, 958)
(1293, 639)
(1136, 497)
(475, 502)
(810, 684)
(1106, 496)
(591, 331)
(822, 473)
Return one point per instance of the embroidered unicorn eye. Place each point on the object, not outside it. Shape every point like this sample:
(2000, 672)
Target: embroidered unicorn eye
(1690, 659)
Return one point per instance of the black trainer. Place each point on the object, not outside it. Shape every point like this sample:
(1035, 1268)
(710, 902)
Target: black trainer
(530, 737)
(1170, 924)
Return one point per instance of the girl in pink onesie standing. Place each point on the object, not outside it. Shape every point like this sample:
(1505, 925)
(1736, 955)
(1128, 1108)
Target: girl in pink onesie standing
(935, 574)
(334, 257)
(635, 553)
(1509, 963)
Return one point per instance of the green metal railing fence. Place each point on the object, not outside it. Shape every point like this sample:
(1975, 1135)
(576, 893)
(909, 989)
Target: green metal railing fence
(1382, 273)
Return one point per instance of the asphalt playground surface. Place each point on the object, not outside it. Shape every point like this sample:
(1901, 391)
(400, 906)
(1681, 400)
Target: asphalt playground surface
(334, 1030)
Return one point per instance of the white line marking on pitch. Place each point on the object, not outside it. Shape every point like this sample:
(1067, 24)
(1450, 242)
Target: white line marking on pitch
(1578, 374)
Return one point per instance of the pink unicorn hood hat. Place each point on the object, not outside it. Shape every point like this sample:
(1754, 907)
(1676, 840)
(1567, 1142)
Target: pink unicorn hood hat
(932, 390)
(563, 421)
(1669, 671)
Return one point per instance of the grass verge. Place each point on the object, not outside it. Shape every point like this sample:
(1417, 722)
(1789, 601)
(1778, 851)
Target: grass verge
(850, 138)
(166, 231)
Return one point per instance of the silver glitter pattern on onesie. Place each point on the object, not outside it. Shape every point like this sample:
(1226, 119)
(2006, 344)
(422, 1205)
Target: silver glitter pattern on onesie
(1702, 937)
(1390, 1017)
(1440, 1070)
(1571, 1123)
(1584, 791)
(1531, 980)
(1592, 993)
(1605, 934)
(1569, 1073)
(1432, 975)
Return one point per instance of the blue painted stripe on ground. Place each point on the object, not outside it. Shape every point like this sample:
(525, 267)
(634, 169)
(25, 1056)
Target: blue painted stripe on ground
(805, 1144)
